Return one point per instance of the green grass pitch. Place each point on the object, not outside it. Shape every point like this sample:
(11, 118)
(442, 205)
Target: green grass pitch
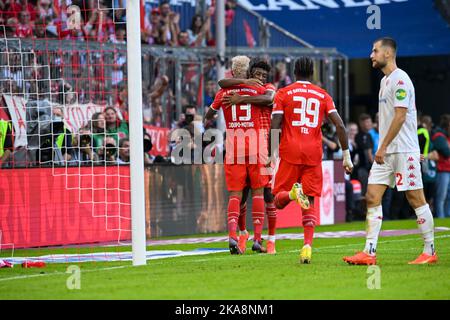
(250, 276)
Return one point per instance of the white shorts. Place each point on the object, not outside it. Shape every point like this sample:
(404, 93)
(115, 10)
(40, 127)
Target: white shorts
(399, 169)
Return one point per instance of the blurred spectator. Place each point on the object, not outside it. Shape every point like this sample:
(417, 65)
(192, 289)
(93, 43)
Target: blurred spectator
(108, 152)
(183, 39)
(100, 27)
(114, 126)
(124, 151)
(13, 8)
(97, 127)
(375, 135)
(150, 31)
(82, 149)
(352, 132)
(148, 146)
(24, 27)
(64, 139)
(120, 35)
(40, 29)
(6, 134)
(441, 142)
(210, 92)
(230, 6)
(428, 165)
(170, 27)
(281, 76)
(330, 142)
(45, 10)
(121, 105)
(200, 31)
(364, 150)
(153, 107)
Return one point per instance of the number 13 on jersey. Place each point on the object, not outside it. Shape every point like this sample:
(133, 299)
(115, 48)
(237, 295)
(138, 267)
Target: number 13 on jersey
(308, 111)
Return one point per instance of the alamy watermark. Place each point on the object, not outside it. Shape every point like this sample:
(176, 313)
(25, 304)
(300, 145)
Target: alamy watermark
(374, 279)
(374, 20)
(74, 280)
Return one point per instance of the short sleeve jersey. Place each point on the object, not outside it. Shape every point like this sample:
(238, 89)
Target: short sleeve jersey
(266, 111)
(397, 91)
(303, 106)
(245, 117)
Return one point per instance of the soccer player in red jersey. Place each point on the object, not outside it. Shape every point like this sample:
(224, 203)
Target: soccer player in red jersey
(299, 110)
(259, 71)
(245, 163)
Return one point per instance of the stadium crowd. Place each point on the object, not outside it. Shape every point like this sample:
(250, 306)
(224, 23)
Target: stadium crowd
(104, 21)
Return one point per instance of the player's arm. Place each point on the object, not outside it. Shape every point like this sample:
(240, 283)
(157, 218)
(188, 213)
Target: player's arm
(229, 82)
(394, 129)
(209, 115)
(264, 100)
(343, 140)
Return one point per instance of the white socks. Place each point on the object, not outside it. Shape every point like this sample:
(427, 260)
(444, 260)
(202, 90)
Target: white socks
(374, 220)
(272, 238)
(425, 223)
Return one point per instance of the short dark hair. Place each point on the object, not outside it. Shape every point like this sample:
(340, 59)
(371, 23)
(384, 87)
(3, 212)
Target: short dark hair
(304, 67)
(444, 122)
(364, 116)
(122, 142)
(388, 42)
(259, 63)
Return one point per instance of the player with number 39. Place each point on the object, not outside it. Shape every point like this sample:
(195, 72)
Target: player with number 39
(298, 111)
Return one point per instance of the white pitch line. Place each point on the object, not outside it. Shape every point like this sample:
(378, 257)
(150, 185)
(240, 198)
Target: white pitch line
(200, 260)
(59, 273)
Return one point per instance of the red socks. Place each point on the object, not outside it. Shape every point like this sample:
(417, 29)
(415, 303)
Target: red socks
(282, 199)
(258, 216)
(309, 222)
(233, 216)
(272, 216)
(242, 217)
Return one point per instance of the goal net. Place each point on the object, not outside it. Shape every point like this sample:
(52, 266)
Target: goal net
(66, 131)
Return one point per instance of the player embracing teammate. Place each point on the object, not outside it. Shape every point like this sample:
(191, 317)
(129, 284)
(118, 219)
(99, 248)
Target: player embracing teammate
(246, 146)
(258, 72)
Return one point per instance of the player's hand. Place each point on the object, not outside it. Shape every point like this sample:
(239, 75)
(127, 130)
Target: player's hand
(253, 82)
(347, 162)
(379, 156)
(231, 99)
(422, 157)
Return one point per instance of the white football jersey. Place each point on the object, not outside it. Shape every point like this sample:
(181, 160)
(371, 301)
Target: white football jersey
(397, 90)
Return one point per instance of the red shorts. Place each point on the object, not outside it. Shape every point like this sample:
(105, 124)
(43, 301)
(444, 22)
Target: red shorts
(286, 174)
(238, 176)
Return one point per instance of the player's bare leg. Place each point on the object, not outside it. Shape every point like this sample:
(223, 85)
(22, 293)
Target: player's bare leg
(374, 219)
(258, 219)
(271, 212)
(425, 222)
(309, 223)
(233, 217)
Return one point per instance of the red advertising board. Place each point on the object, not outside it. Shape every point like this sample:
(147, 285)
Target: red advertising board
(43, 207)
(160, 140)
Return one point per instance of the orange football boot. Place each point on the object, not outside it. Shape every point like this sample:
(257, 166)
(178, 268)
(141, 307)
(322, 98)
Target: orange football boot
(361, 258)
(425, 258)
(242, 242)
(271, 247)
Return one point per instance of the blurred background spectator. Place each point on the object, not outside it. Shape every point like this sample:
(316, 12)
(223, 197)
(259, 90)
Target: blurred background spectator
(441, 142)
(364, 149)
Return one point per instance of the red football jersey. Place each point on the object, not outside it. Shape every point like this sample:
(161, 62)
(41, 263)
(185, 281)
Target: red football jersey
(245, 117)
(303, 106)
(266, 112)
